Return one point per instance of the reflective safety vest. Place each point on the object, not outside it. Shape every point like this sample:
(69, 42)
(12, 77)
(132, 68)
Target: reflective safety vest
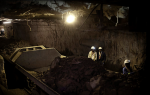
(92, 55)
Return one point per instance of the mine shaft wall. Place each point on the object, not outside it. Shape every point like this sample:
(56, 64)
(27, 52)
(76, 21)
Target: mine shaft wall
(69, 40)
(8, 30)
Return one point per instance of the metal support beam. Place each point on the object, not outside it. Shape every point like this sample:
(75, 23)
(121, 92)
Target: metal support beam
(39, 83)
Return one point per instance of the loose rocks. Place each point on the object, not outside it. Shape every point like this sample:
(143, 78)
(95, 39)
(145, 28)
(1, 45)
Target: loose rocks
(75, 75)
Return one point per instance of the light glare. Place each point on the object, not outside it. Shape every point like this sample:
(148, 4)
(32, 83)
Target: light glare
(70, 18)
(6, 22)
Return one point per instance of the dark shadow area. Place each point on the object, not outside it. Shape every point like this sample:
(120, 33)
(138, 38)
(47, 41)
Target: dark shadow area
(113, 67)
(15, 79)
(66, 52)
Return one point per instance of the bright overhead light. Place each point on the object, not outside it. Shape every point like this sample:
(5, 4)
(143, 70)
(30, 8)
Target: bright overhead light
(6, 22)
(70, 18)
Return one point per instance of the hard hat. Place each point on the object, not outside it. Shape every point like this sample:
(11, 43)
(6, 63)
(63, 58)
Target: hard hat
(126, 61)
(92, 47)
(100, 48)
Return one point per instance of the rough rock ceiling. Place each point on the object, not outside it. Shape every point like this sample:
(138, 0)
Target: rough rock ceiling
(40, 9)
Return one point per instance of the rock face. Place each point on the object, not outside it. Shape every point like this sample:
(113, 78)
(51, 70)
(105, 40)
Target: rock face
(69, 40)
(77, 76)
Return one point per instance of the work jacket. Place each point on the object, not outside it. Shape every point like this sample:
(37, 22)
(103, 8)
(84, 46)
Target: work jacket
(92, 55)
(125, 71)
(102, 56)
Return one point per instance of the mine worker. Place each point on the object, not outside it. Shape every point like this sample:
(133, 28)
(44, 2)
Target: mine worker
(101, 56)
(92, 54)
(3, 80)
(127, 69)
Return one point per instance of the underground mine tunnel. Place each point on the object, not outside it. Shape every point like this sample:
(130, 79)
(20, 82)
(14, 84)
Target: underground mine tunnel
(73, 47)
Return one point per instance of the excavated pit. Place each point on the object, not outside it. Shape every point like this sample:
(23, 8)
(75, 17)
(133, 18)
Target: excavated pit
(73, 75)
(79, 76)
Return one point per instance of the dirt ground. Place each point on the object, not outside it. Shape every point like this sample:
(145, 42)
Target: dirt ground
(79, 76)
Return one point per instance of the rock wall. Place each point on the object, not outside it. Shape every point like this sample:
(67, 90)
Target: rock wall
(69, 40)
(8, 30)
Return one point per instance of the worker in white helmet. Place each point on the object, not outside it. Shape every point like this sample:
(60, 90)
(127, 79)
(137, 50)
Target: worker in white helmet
(92, 54)
(101, 56)
(127, 69)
